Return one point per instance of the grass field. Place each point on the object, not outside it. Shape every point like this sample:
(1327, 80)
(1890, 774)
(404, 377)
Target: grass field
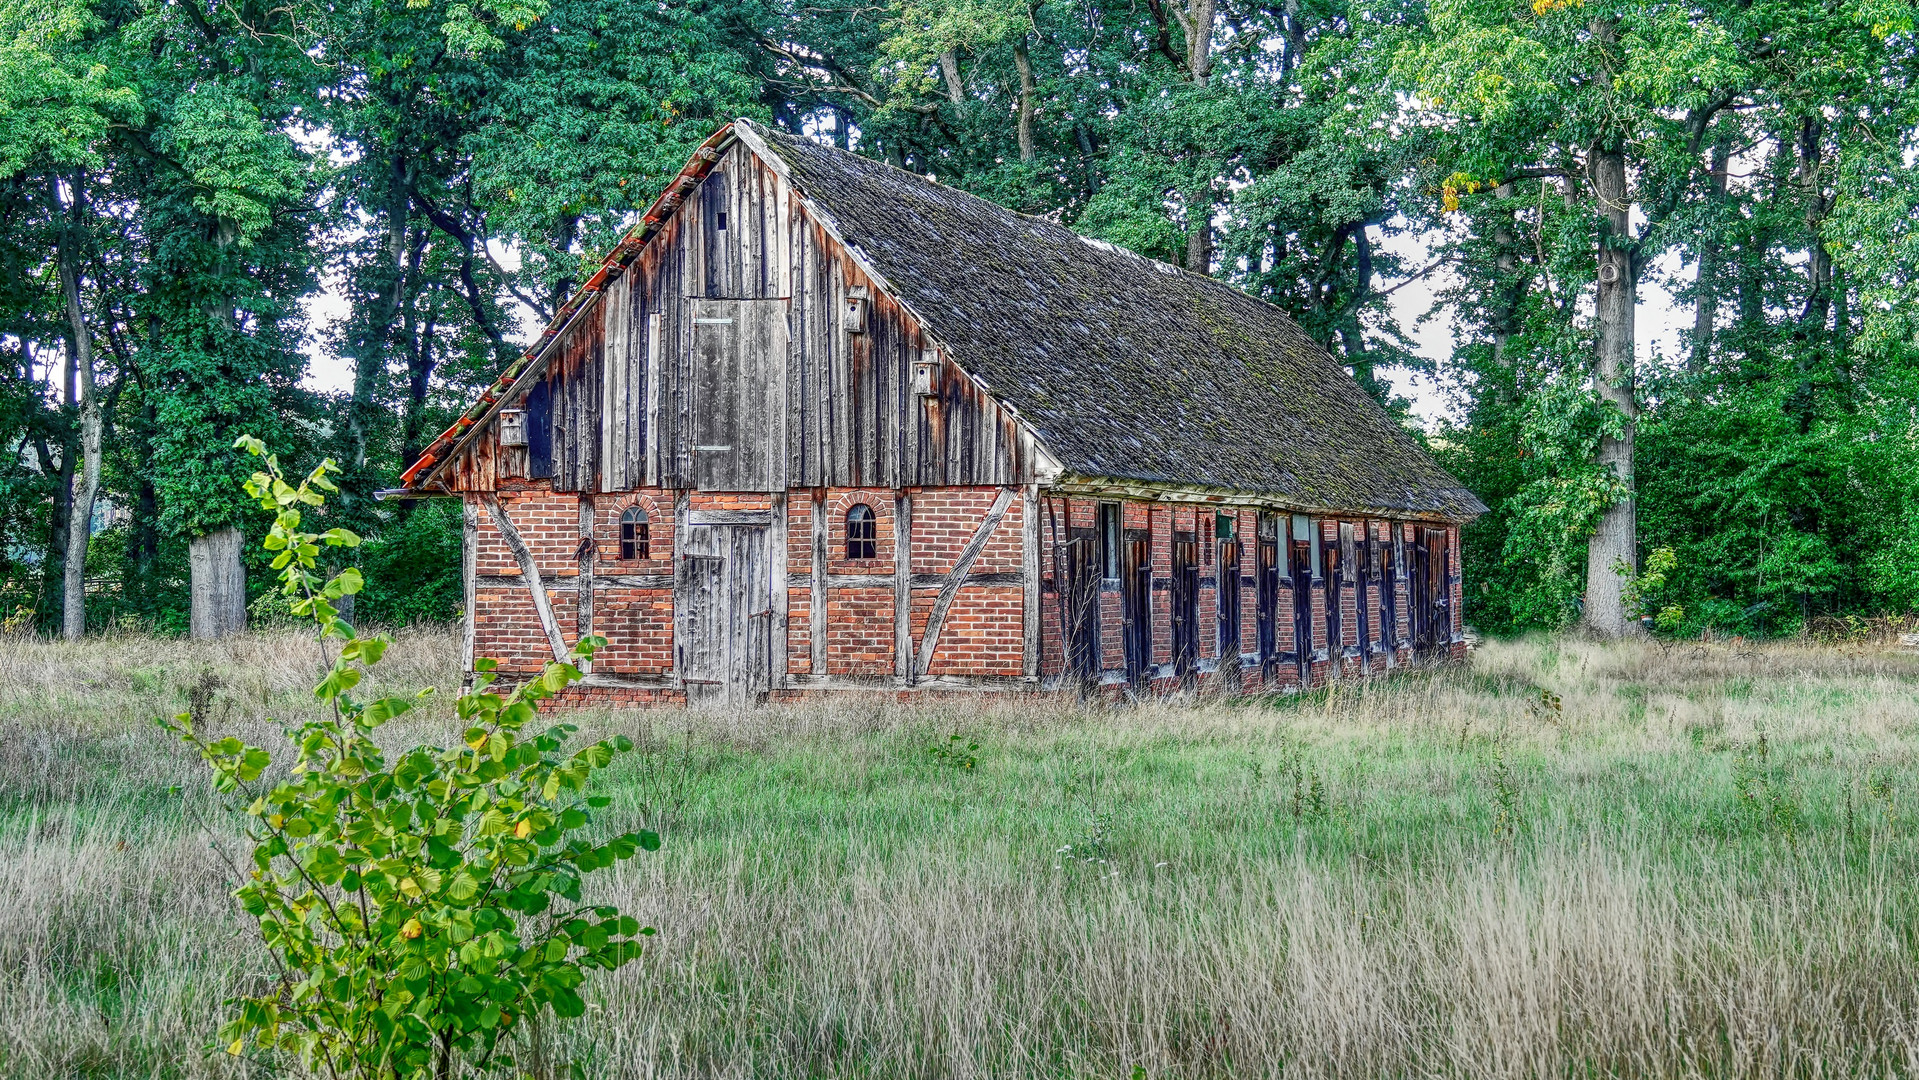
(1565, 859)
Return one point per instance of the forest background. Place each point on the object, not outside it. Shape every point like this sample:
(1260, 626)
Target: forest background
(180, 180)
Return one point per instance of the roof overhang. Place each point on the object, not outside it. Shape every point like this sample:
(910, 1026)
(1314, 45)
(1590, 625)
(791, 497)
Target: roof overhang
(1110, 487)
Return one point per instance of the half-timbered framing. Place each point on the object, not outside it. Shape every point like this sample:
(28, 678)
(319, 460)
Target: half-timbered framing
(822, 424)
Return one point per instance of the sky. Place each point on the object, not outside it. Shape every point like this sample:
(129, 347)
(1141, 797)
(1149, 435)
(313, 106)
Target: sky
(1659, 321)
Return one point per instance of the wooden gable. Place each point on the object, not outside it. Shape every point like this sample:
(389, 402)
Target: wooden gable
(746, 348)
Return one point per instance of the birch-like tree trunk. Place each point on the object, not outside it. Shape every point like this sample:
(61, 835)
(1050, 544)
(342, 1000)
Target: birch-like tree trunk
(80, 520)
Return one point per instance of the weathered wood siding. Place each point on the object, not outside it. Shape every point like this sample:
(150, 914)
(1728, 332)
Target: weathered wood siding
(629, 389)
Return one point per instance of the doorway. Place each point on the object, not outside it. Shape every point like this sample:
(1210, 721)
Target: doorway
(1302, 578)
(723, 600)
(1185, 606)
(1266, 586)
(1136, 604)
(1229, 598)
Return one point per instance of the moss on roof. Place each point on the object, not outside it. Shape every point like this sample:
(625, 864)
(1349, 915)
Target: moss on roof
(1126, 367)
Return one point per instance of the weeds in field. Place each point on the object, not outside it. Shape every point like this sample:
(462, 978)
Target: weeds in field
(1765, 790)
(956, 753)
(828, 906)
(1506, 815)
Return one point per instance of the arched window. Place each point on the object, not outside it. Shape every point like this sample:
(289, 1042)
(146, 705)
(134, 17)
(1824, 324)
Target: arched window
(633, 538)
(860, 533)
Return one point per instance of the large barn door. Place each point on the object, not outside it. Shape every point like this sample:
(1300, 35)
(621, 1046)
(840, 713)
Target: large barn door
(723, 597)
(739, 395)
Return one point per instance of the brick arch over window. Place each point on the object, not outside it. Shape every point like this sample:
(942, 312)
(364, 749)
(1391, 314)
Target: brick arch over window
(862, 532)
(838, 511)
(654, 527)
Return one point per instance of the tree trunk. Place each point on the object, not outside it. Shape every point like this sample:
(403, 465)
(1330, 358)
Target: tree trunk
(1199, 238)
(1613, 549)
(950, 74)
(1705, 306)
(219, 596)
(80, 519)
(1197, 21)
(1027, 87)
(1507, 286)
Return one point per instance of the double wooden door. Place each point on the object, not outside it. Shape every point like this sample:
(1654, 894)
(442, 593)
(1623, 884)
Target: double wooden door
(723, 600)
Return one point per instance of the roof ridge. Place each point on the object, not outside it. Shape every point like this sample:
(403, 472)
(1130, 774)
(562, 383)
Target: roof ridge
(927, 178)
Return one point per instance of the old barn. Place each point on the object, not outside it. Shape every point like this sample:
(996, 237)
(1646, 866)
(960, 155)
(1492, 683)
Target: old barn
(821, 424)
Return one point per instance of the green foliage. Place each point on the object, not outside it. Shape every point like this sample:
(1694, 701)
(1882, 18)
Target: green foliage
(421, 907)
(412, 568)
(1649, 588)
(955, 753)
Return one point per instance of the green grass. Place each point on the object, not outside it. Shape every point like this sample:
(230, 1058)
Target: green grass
(1700, 861)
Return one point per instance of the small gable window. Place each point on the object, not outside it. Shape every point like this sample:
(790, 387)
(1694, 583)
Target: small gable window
(633, 536)
(861, 536)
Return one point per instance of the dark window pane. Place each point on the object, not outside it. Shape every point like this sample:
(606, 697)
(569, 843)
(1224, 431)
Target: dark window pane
(633, 534)
(861, 533)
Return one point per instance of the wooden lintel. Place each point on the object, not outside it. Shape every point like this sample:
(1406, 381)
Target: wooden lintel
(1115, 488)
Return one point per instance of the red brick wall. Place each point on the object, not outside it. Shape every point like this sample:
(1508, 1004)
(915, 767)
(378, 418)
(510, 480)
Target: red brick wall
(983, 634)
(859, 621)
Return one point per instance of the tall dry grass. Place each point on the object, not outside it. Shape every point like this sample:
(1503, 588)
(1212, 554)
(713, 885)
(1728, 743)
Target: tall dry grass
(1441, 875)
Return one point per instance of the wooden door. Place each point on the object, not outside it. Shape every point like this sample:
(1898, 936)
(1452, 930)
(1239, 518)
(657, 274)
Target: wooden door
(1303, 609)
(1082, 606)
(1435, 589)
(723, 599)
(1422, 607)
(1185, 605)
(1391, 571)
(1266, 578)
(1229, 606)
(1136, 603)
(738, 398)
(1335, 573)
(1359, 551)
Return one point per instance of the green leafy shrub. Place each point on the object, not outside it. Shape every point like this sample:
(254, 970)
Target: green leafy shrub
(413, 568)
(955, 753)
(419, 907)
(1648, 591)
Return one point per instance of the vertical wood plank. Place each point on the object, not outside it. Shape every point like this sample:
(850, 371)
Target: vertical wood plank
(651, 423)
(1029, 571)
(816, 614)
(903, 585)
(778, 655)
(469, 570)
(682, 542)
(589, 555)
(613, 390)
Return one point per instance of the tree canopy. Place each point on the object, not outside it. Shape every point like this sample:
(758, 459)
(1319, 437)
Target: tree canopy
(180, 183)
